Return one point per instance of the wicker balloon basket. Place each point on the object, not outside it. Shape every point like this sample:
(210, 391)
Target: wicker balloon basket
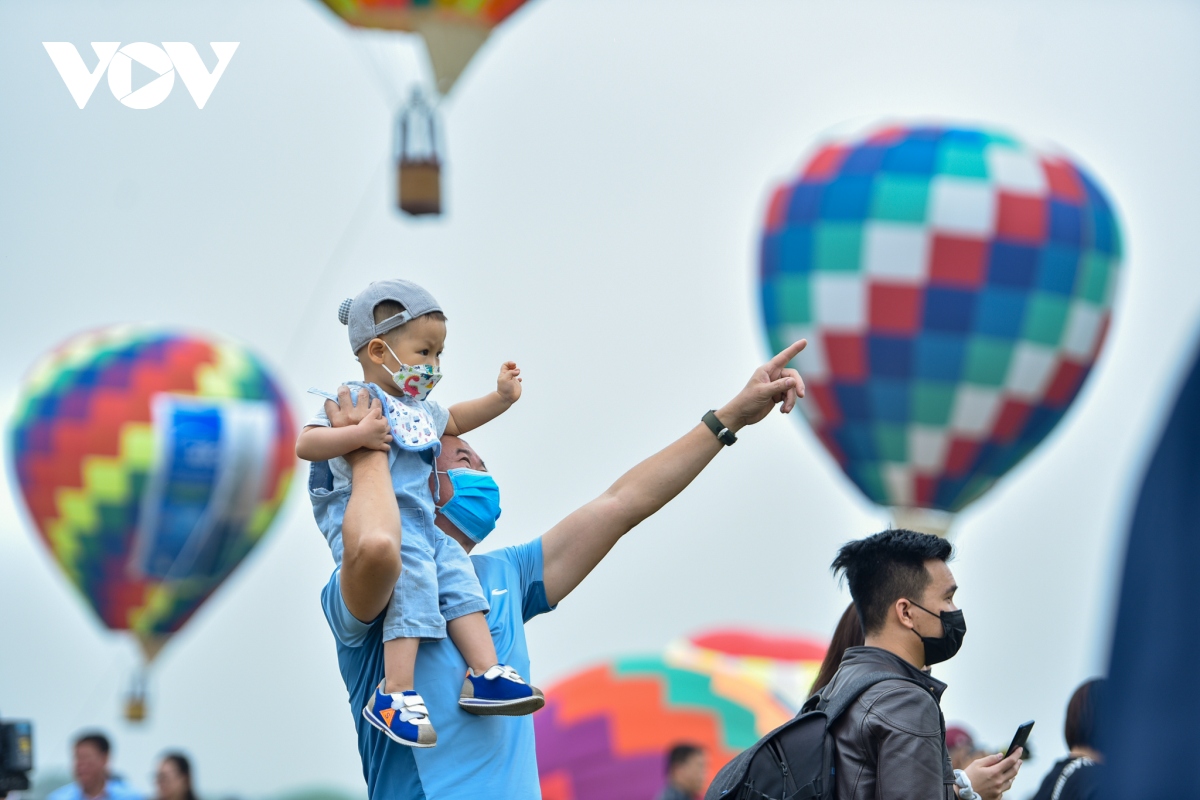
(418, 164)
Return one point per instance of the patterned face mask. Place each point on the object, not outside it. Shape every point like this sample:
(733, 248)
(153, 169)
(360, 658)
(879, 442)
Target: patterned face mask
(416, 382)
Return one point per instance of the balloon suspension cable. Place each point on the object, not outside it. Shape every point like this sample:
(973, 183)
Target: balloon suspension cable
(408, 128)
(923, 520)
(135, 700)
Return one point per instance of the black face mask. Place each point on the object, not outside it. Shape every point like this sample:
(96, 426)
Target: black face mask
(954, 628)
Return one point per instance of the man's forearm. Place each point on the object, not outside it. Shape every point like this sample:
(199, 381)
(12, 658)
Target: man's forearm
(573, 547)
(652, 484)
(371, 537)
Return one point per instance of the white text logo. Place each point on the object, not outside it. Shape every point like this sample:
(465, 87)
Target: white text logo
(165, 61)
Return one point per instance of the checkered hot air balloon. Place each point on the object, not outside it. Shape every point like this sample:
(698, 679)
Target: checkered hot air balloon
(955, 287)
(150, 463)
(605, 731)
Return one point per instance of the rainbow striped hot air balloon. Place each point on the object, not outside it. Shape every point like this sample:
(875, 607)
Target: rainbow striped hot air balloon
(150, 464)
(955, 286)
(785, 665)
(605, 731)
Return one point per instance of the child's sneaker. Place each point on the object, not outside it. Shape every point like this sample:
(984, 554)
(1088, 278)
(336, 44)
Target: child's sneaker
(402, 716)
(500, 691)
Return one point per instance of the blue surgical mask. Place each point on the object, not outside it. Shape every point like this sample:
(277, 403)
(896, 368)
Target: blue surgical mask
(475, 506)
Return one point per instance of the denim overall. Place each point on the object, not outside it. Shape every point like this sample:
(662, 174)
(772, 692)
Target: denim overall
(437, 581)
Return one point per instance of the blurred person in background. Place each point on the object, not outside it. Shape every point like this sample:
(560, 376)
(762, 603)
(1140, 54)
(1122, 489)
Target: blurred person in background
(962, 747)
(687, 773)
(173, 778)
(847, 634)
(93, 780)
(1077, 777)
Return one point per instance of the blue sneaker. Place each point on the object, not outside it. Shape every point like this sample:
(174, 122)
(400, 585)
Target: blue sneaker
(499, 691)
(402, 716)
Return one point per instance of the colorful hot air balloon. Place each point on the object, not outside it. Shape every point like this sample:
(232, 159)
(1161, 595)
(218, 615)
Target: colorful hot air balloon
(151, 463)
(605, 731)
(453, 30)
(783, 665)
(954, 286)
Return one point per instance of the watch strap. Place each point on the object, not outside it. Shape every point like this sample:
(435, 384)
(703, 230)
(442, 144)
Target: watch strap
(723, 434)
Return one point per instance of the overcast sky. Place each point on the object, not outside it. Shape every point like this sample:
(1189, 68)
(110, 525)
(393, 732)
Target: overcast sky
(609, 164)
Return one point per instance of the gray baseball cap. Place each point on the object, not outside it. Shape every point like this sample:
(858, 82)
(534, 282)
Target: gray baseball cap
(359, 313)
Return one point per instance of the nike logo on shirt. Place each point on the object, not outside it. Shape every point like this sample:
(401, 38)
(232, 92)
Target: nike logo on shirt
(499, 591)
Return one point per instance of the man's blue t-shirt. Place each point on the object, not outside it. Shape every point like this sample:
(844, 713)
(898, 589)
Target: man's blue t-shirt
(475, 756)
(114, 789)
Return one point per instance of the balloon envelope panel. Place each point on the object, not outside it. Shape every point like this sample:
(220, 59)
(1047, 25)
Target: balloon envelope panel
(955, 287)
(784, 665)
(150, 464)
(404, 14)
(605, 731)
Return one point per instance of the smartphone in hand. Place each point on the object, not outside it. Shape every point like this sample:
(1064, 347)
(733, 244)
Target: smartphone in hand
(1019, 738)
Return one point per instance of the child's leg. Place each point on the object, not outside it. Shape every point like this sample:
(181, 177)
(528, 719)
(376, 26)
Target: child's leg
(473, 638)
(490, 687)
(399, 661)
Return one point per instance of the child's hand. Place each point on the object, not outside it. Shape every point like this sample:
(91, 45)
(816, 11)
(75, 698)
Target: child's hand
(374, 431)
(508, 385)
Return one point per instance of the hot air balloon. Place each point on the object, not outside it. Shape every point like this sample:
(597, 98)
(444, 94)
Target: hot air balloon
(785, 665)
(150, 463)
(955, 286)
(606, 730)
(453, 31)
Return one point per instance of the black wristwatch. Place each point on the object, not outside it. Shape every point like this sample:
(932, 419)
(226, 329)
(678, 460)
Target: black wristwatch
(723, 434)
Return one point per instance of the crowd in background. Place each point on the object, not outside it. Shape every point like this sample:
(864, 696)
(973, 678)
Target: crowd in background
(93, 777)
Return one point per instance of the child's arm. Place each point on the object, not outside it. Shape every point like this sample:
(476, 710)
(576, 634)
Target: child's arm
(318, 443)
(471, 414)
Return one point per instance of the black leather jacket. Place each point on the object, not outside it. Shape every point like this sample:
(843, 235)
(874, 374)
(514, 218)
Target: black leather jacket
(891, 743)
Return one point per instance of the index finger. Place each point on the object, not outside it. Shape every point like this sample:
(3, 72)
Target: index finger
(781, 359)
(1011, 763)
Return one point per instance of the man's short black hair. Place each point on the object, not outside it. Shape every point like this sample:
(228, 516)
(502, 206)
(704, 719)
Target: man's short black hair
(680, 754)
(885, 567)
(96, 739)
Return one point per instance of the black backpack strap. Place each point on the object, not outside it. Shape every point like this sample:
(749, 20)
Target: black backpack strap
(837, 703)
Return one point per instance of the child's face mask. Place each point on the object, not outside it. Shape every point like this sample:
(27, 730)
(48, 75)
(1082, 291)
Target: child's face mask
(415, 381)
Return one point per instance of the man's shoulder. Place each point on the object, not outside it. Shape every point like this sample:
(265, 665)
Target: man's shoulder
(67, 792)
(517, 567)
(904, 704)
(517, 556)
(899, 701)
(120, 790)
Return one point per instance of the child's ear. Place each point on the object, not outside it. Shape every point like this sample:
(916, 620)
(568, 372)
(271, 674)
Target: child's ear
(376, 350)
